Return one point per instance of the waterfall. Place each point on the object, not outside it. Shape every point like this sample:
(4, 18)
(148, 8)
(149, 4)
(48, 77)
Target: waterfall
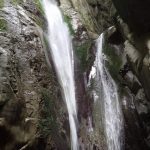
(113, 119)
(62, 54)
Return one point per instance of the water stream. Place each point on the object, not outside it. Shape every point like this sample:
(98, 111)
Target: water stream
(113, 119)
(62, 54)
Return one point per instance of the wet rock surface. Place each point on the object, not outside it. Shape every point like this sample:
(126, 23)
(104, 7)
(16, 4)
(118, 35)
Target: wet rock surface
(134, 100)
(27, 84)
(129, 61)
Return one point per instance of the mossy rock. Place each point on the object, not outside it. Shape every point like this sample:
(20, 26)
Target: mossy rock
(17, 2)
(114, 62)
(82, 54)
(67, 19)
(39, 6)
(1, 3)
(3, 25)
(48, 124)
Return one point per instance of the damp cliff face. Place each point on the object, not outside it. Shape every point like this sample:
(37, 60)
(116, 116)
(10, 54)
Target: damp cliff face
(133, 25)
(30, 96)
(127, 58)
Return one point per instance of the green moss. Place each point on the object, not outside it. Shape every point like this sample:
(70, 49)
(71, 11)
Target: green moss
(1, 3)
(39, 6)
(48, 124)
(68, 21)
(114, 61)
(39, 18)
(46, 43)
(82, 52)
(3, 25)
(17, 1)
(38, 21)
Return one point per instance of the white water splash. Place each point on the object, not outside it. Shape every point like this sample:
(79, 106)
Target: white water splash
(113, 119)
(62, 54)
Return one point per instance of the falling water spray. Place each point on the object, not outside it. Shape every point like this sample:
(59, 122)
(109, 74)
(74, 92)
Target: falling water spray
(62, 54)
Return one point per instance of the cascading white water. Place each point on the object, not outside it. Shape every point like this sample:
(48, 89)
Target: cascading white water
(62, 54)
(113, 119)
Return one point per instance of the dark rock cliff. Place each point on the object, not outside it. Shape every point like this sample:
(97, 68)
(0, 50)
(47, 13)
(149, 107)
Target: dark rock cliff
(134, 28)
(135, 13)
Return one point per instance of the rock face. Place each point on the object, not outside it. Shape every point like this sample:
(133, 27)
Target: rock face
(132, 96)
(135, 13)
(128, 51)
(96, 14)
(28, 87)
(134, 29)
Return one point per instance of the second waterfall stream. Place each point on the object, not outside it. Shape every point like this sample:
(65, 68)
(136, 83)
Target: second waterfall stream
(62, 54)
(112, 114)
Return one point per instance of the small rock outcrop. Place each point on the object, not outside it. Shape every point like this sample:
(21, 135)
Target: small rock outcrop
(97, 15)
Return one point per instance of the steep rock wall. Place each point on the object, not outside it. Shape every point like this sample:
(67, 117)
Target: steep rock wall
(130, 44)
(29, 92)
